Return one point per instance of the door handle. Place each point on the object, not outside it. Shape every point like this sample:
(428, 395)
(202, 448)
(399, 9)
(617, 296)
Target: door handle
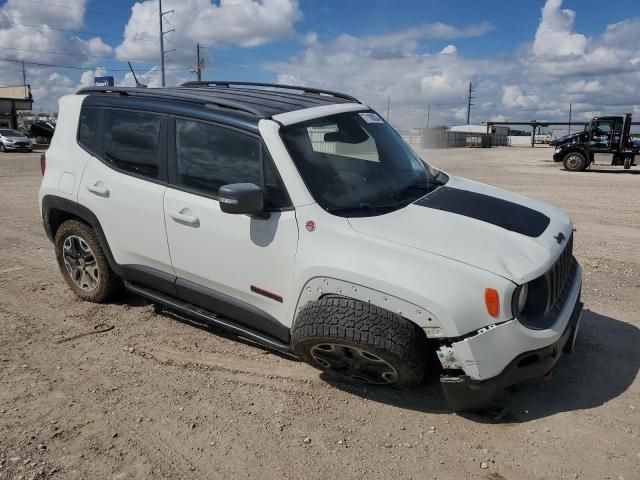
(98, 188)
(184, 217)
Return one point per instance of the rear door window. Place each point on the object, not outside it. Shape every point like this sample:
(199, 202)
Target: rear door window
(132, 141)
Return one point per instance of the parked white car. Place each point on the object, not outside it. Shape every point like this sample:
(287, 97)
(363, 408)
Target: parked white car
(299, 219)
(13, 140)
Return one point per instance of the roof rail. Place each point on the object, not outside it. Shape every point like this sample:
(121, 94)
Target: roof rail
(174, 93)
(229, 84)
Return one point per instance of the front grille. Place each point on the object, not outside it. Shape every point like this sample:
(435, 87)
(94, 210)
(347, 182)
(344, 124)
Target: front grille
(560, 275)
(21, 144)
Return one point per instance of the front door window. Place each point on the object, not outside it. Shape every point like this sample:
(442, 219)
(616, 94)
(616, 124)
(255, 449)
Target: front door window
(601, 134)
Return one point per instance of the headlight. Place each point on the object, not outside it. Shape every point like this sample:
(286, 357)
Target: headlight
(523, 292)
(558, 150)
(529, 304)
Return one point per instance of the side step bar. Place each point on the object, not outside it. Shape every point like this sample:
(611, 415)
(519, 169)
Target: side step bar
(208, 317)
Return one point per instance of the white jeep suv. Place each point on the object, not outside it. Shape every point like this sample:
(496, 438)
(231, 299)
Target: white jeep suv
(299, 219)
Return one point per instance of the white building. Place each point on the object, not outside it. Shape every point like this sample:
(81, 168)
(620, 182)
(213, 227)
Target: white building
(480, 129)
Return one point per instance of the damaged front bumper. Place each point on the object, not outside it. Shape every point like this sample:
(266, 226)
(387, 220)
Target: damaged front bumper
(464, 393)
(502, 355)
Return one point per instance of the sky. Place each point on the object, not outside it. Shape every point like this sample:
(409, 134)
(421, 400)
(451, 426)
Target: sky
(527, 59)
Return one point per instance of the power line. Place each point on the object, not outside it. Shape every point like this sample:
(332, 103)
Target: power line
(74, 67)
(80, 32)
(180, 45)
(86, 10)
(148, 40)
(76, 54)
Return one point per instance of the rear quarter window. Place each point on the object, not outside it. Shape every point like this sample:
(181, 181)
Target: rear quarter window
(87, 130)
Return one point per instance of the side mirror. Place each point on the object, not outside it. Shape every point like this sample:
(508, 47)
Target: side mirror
(241, 199)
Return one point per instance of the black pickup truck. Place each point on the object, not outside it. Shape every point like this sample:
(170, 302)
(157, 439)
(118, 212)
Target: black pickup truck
(605, 140)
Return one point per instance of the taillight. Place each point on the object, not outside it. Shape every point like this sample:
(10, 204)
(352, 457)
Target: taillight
(43, 163)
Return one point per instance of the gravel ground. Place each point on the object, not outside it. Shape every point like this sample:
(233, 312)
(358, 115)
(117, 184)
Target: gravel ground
(154, 397)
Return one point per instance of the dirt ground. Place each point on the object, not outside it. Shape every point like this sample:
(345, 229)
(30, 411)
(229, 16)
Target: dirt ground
(154, 397)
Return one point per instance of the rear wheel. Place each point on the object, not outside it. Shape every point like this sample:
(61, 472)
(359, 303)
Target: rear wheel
(83, 263)
(574, 162)
(360, 342)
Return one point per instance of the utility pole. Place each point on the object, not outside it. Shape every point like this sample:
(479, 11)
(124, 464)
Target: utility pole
(200, 64)
(24, 74)
(428, 114)
(469, 98)
(162, 34)
(388, 108)
(570, 106)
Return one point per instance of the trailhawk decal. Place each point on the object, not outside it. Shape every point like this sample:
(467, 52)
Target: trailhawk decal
(502, 213)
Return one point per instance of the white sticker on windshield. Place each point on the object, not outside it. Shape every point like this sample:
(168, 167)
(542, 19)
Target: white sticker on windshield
(371, 117)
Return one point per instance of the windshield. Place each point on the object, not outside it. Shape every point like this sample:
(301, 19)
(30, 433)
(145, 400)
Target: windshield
(5, 132)
(356, 164)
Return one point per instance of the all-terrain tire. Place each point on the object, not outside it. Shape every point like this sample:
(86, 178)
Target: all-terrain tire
(108, 283)
(351, 325)
(574, 162)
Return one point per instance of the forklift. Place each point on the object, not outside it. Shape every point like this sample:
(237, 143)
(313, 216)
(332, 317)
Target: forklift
(604, 141)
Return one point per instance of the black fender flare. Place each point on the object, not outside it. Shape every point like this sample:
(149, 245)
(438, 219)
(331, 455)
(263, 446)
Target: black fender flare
(51, 204)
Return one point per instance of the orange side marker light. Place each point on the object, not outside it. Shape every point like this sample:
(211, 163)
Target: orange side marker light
(492, 302)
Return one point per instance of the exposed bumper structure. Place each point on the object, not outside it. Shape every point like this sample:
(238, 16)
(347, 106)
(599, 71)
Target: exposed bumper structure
(463, 393)
(510, 353)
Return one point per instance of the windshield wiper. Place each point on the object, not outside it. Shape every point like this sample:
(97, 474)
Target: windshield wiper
(420, 188)
(441, 178)
(366, 208)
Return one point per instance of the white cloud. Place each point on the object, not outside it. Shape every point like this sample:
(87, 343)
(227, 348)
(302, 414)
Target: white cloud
(414, 67)
(460, 113)
(35, 43)
(377, 67)
(555, 37)
(70, 16)
(48, 87)
(151, 78)
(247, 23)
(559, 51)
(449, 50)
(445, 85)
(583, 86)
(310, 38)
(513, 97)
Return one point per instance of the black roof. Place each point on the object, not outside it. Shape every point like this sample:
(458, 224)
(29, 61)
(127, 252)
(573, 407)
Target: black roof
(260, 100)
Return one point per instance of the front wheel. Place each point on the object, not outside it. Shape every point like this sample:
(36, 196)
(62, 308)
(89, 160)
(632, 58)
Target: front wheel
(2, 147)
(574, 162)
(360, 342)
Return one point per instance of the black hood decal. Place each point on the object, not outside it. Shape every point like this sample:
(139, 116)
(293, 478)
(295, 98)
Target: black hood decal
(496, 211)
